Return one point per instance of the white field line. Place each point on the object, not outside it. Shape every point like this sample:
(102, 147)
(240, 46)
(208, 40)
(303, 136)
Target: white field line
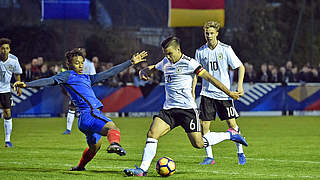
(188, 170)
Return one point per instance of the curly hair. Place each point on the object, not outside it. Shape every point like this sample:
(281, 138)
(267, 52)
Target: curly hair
(213, 24)
(4, 41)
(73, 53)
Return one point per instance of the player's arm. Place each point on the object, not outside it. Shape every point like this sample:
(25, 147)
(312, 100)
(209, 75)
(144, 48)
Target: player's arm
(18, 78)
(205, 74)
(136, 58)
(194, 84)
(241, 72)
(145, 73)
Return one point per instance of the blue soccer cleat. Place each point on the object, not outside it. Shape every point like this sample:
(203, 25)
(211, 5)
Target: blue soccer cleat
(236, 137)
(77, 168)
(208, 161)
(66, 132)
(242, 159)
(8, 144)
(135, 172)
(116, 148)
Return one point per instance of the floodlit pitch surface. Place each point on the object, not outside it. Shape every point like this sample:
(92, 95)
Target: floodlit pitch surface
(279, 148)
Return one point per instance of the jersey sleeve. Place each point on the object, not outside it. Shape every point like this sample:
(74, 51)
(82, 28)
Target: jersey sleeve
(54, 80)
(195, 66)
(159, 65)
(17, 67)
(197, 57)
(109, 73)
(233, 59)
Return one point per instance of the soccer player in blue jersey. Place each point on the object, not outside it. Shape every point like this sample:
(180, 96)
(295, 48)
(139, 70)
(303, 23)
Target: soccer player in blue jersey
(79, 86)
(179, 108)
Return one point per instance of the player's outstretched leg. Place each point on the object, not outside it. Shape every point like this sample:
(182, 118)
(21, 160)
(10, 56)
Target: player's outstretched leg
(236, 137)
(135, 172)
(114, 139)
(87, 156)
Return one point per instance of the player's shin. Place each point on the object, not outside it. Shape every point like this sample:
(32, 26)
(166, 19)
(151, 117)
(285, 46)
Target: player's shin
(149, 153)
(87, 156)
(7, 128)
(213, 138)
(113, 136)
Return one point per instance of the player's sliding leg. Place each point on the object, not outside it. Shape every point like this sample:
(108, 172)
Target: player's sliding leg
(7, 127)
(113, 133)
(241, 157)
(70, 118)
(158, 128)
(89, 152)
(209, 160)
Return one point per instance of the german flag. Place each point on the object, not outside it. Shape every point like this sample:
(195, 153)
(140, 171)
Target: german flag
(189, 13)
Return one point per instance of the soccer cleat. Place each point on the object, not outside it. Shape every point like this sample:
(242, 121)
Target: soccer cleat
(208, 161)
(66, 132)
(8, 144)
(116, 148)
(135, 172)
(242, 159)
(236, 137)
(77, 168)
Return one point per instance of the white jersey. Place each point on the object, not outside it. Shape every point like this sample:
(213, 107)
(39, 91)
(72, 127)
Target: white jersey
(7, 68)
(217, 62)
(178, 82)
(88, 67)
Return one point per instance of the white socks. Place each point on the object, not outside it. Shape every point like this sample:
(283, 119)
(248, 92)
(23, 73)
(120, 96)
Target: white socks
(148, 154)
(70, 118)
(209, 150)
(215, 138)
(7, 129)
(239, 146)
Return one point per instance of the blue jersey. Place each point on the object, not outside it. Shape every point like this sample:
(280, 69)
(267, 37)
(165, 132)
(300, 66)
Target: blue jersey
(79, 86)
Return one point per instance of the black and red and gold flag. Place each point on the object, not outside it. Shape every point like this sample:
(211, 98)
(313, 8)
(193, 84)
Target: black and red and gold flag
(190, 13)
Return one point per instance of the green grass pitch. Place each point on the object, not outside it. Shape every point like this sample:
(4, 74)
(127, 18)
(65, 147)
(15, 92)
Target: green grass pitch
(279, 148)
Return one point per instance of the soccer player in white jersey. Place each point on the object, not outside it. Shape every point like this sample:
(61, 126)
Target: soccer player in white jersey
(88, 68)
(179, 108)
(9, 65)
(216, 58)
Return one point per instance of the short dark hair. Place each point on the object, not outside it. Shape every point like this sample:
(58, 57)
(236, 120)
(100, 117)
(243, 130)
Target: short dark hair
(170, 41)
(4, 41)
(73, 53)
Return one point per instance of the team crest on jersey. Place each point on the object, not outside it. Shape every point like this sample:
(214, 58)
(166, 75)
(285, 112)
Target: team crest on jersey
(179, 70)
(10, 67)
(220, 56)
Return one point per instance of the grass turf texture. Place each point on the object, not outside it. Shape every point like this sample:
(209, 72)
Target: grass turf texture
(279, 148)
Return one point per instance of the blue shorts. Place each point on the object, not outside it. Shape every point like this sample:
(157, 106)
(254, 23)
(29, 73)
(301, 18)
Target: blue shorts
(91, 125)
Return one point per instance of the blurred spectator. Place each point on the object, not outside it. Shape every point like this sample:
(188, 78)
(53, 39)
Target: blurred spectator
(263, 75)
(35, 68)
(314, 72)
(27, 73)
(274, 75)
(283, 78)
(250, 73)
(295, 74)
(40, 61)
(44, 72)
(306, 74)
(96, 63)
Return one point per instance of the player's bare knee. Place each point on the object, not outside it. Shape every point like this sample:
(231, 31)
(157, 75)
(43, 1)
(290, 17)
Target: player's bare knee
(197, 144)
(152, 134)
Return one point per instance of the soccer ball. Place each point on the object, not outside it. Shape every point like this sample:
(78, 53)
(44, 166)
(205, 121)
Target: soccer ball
(166, 166)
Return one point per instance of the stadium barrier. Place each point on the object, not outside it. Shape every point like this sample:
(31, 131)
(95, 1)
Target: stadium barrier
(146, 101)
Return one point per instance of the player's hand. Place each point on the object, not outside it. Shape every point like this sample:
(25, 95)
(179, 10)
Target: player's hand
(17, 85)
(139, 57)
(240, 90)
(144, 74)
(19, 91)
(234, 95)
